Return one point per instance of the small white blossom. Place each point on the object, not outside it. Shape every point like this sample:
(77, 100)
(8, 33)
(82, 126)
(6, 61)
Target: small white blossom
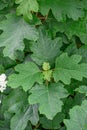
(3, 82)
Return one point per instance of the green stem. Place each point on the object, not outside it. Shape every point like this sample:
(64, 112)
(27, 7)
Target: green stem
(47, 83)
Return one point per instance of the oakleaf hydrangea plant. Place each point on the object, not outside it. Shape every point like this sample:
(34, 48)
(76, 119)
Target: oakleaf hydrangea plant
(43, 65)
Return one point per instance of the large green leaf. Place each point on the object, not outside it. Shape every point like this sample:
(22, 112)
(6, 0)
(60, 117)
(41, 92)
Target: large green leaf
(45, 49)
(26, 7)
(28, 74)
(68, 67)
(21, 118)
(15, 30)
(78, 118)
(61, 9)
(48, 98)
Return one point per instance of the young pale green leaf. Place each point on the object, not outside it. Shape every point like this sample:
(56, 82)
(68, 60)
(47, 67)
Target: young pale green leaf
(28, 74)
(26, 7)
(78, 118)
(49, 98)
(82, 89)
(52, 124)
(20, 119)
(68, 67)
(45, 49)
(15, 30)
(61, 9)
(47, 75)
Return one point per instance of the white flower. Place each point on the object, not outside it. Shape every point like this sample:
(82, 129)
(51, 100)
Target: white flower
(3, 82)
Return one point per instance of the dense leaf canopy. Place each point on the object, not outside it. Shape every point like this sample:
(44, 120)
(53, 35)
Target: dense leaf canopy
(43, 64)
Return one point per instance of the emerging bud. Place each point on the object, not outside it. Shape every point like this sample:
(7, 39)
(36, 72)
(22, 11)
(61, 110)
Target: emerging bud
(46, 66)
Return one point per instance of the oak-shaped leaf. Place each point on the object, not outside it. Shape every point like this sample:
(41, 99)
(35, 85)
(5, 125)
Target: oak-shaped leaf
(61, 9)
(48, 98)
(45, 49)
(78, 117)
(15, 29)
(26, 7)
(68, 67)
(27, 75)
